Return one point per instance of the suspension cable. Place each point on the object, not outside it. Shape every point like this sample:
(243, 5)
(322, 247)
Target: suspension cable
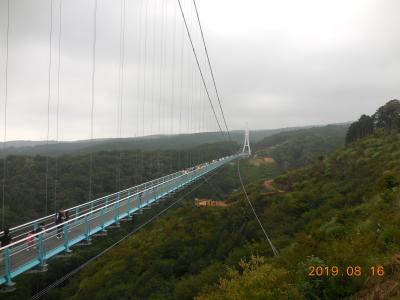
(153, 71)
(182, 57)
(121, 89)
(92, 96)
(174, 81)
(145, 65)
(160, 82)
(160, 79)
(5, 119)
(138, 90)
(173, 46)
(48, 107)
(164, 64)
(146, 5)
(58, 104)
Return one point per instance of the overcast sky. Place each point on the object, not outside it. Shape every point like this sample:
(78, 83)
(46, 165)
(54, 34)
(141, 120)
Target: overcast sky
(277, 64)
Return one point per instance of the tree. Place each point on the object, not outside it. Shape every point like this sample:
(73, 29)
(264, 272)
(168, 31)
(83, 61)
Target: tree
(388, 116)
(360, 129)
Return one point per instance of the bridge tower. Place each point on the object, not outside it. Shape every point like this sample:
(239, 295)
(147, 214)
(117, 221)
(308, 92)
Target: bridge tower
(246, 142)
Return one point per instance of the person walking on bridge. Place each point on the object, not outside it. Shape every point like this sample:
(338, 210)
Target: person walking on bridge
(60, 218)
(6, 239)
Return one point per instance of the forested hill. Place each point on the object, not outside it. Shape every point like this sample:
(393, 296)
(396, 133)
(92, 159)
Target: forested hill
(297, 148)
(342, 210)
(152, 142)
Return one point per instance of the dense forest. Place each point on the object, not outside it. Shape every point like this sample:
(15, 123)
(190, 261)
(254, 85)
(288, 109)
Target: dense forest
(386, 118)
(342, 210)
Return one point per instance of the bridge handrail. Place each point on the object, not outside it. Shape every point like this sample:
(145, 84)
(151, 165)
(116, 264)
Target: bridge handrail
(81, 216)
(51, 216)
(89, 204)
(50, 231)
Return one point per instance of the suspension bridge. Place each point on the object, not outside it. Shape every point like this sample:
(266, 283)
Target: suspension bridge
(174, 83)
(90, 218)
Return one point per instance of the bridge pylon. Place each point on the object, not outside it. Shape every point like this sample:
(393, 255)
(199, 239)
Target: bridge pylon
(246, 144)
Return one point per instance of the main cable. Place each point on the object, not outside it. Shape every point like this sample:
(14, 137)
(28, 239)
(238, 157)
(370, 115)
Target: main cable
(209, 65)
(198, 66)
(274, 250)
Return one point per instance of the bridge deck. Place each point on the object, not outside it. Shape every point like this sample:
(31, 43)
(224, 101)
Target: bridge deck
(88, 219)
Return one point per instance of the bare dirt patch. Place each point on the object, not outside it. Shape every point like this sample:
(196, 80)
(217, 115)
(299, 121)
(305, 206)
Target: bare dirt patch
(262, 161)
(269, 160)
(269, 185)
(209, 202)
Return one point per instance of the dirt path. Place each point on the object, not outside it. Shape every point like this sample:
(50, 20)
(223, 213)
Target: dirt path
(269, 184)
(257, 161)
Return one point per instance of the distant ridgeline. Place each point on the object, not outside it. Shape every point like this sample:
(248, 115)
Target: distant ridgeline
(386, 118)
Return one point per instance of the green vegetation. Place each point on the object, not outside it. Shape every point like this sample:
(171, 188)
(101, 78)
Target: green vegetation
(254, 280)
(342, 211)
(386, 118)
(191, 251)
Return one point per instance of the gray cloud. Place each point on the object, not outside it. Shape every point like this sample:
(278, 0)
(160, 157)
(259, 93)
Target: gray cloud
(277, 64)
